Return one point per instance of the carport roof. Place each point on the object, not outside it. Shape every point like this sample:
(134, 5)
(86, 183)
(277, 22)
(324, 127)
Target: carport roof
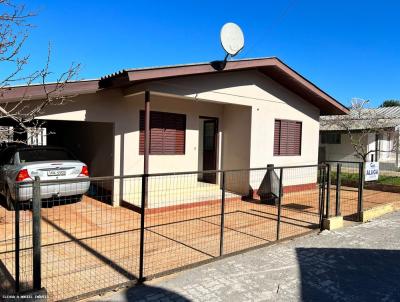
(271, 67)
(36, 91)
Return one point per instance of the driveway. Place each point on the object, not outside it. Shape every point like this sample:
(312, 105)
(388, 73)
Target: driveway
(358, 263)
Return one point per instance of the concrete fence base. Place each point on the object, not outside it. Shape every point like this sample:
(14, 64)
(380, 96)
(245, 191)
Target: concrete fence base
(378, 211)
(332, 223)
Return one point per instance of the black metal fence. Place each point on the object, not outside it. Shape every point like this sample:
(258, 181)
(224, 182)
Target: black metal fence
(345, 189)
(349, 195)
(132, 228)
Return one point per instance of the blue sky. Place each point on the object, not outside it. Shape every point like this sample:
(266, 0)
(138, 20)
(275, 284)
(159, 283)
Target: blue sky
(347, 48)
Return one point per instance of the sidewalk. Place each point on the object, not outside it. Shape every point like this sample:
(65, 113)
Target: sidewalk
(358, 263)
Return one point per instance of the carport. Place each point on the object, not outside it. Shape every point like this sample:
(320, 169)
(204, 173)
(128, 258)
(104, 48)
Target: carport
(90, 142)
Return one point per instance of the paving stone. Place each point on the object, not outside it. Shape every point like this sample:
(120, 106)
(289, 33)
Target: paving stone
(358, 263)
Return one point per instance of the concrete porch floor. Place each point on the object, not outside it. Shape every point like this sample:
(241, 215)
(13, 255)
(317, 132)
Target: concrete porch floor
(172, 191)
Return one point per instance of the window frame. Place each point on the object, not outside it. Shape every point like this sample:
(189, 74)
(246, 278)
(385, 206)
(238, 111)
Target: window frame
(300, 147)
(325, 138)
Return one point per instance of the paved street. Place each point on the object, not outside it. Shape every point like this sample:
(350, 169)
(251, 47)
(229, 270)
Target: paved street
(358, 263)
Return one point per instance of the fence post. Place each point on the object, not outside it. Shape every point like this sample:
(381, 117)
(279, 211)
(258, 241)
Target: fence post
(17, 240)
(338, 188)
(37, 205)
(221, 240)
(143, 205)
(360, 189)
(328, 189)
(322, 196)
(278, 227)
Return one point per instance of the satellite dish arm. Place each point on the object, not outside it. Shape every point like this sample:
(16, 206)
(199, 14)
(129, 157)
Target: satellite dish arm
(220, 65)
(226, 58)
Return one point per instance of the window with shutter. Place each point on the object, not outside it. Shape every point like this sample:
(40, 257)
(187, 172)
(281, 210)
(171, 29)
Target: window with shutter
(287, 138)
(167, 133)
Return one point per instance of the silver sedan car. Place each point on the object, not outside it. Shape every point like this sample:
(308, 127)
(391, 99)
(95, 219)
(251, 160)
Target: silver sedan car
(60, 173)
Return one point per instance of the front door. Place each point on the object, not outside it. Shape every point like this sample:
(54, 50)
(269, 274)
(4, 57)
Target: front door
(210, 150)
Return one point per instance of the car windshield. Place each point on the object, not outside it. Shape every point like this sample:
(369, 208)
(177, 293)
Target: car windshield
(26, 156)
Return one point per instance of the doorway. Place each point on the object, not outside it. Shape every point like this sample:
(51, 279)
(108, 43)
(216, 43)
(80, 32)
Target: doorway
(210, 148)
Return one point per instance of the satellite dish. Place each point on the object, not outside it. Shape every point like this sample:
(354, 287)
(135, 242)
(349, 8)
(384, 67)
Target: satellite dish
(232, 38)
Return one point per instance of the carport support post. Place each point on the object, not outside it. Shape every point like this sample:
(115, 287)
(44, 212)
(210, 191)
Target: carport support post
(142, 225)
(338, 185)
(145, 184)
(37, 282)
(360, 189)
(146, 144)
(278, 226)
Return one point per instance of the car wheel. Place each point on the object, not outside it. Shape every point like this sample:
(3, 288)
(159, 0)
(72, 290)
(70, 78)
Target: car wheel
(9, 200)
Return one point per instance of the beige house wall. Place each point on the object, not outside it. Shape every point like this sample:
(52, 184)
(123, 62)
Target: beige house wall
(124, 112)
(245, 131)
(268, 100)
(236, 145)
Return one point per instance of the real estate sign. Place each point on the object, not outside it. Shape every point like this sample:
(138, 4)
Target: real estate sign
(371, 171)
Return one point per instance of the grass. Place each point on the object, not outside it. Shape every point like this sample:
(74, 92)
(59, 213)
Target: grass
(353, 177)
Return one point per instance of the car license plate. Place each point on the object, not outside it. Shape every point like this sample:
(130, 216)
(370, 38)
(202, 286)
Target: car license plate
(56, 173)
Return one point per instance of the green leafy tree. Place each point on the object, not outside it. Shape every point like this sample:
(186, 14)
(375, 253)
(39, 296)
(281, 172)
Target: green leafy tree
(390, 103)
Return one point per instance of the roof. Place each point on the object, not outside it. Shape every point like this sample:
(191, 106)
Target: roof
(36, 91)
(385, 117)
(271, 67)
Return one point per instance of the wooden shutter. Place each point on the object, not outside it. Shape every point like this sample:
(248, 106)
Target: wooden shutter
(167, 133)
(287, 137)
(283, 148)
(277, 137)
(174, 135)
(293, 138)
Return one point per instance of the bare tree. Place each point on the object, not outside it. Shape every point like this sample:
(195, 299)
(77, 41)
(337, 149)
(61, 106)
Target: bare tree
(14, 31)
(360, 124)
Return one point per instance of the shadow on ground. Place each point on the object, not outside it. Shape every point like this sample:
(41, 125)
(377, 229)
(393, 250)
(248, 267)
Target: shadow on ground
(330, 274)
(145, 292)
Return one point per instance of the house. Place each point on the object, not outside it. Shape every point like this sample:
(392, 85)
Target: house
(253, 113)
(376, 129)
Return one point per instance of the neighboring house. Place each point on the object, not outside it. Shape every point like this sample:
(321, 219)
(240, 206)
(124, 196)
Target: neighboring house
(382, 145)
(253, 113)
